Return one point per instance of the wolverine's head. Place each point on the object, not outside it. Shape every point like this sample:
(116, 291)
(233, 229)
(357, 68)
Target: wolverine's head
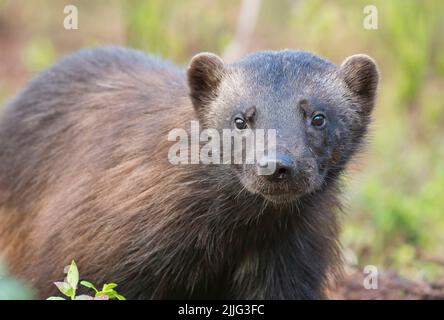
(319, 113)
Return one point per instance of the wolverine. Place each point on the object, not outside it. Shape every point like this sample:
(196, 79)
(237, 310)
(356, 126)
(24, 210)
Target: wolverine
(85, 175)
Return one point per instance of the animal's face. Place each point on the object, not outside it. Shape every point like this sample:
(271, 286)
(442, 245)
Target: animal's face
(319, 112)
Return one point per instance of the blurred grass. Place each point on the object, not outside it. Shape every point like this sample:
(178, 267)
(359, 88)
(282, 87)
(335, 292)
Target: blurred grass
(13, 289)
(39, 54)
(396, 197)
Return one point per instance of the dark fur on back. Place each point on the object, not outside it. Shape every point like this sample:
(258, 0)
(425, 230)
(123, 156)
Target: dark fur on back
(84, 175)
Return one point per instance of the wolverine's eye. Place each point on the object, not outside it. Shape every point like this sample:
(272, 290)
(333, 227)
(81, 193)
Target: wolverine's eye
(240, 123)
(318, 121)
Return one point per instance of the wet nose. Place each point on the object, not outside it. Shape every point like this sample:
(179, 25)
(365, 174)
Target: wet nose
(282, 165)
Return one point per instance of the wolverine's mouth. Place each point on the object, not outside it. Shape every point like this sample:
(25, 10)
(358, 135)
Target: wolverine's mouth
(281, 197)
(278, 194)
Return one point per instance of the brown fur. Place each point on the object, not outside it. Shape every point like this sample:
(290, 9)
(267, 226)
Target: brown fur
(84, 175)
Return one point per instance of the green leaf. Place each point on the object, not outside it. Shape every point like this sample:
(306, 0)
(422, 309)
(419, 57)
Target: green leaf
(64, 288)
(112, 294)
(84, 297)
(89, 285)
(73, 275)
(120, 297)
(56, 298)
(109, 286)
(103, 293)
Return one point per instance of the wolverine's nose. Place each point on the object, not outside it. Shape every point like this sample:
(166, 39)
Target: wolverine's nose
(276, 169)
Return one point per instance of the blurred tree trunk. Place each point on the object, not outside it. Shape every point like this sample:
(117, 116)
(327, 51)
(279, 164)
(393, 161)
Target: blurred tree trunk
(246, 24)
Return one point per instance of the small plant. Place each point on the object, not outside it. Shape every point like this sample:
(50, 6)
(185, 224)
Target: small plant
(69, 287)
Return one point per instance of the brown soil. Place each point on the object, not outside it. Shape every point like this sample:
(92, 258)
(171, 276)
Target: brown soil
(391, 286)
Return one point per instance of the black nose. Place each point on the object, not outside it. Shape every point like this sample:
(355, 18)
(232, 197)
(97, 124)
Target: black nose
(283, 168)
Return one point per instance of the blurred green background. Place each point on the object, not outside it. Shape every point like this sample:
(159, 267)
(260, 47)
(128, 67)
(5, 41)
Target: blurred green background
(394, 191)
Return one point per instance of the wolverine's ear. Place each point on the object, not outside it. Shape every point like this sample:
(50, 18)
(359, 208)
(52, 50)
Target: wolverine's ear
(361, 75)
(204, 75)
